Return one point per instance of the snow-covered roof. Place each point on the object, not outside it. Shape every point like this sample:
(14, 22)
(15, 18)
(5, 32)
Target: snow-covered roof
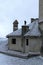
(15, 33)
(33, 30)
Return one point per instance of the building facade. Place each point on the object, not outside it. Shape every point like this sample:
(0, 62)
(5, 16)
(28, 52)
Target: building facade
(27, 39)
(30, 37)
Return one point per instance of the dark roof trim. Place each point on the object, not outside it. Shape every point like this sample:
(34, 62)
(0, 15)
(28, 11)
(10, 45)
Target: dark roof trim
(24, 36)
(33, 36)
(12, 36)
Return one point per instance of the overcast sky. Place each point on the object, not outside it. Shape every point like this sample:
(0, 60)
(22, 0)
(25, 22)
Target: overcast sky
(16, 9)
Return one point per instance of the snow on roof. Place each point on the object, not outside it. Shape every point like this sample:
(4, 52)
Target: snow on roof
(33, 30)
(15, 33)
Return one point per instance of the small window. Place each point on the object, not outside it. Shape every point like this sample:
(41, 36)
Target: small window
(13, 41)
(27, 42)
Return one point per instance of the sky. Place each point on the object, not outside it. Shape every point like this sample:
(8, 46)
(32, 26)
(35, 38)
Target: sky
(21, 10)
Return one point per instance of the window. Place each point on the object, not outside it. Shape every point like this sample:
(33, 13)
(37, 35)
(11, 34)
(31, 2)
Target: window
(13, 41)
(27, 42)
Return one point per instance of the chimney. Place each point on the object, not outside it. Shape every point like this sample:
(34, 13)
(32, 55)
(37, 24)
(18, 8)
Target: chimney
(37, 19)
(15, 25)
(25, 28)
(32, 19)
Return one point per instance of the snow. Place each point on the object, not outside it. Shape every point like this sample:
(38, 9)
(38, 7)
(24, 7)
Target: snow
(3, 43)
(10, 60)
(16, 33)
(4, 49)
(33, 30)
(41, 57)
(3, 39)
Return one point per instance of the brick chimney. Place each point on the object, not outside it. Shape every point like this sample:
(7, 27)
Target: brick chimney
(15, 25)
(25, 28)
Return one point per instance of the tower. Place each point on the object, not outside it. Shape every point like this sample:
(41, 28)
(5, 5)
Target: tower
(40, 9)
(41, 23)
(15, 25)
(41, 15)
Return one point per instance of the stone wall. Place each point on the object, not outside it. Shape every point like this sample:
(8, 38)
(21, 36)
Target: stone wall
(41, 9)
(16, 46)
(35, 44)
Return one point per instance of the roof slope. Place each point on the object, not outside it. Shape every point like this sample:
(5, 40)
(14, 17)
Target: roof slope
(15, 33)
(33, 30)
